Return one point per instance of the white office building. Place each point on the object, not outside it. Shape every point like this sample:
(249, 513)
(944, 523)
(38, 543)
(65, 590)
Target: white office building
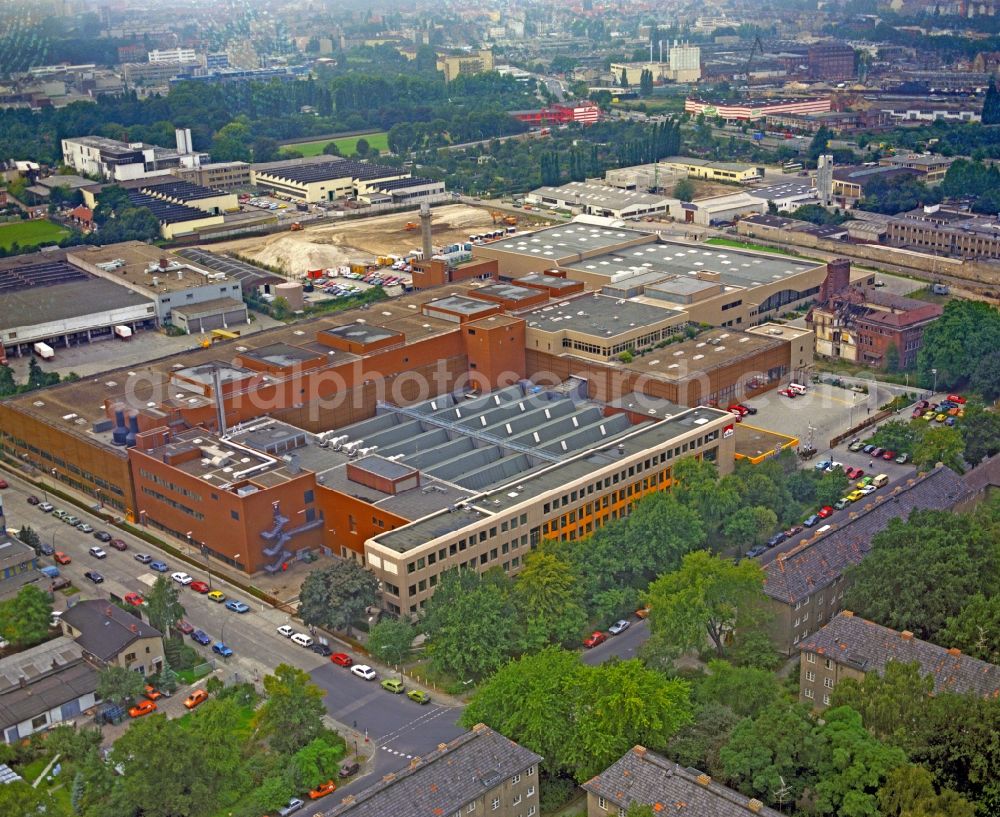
(173, 55)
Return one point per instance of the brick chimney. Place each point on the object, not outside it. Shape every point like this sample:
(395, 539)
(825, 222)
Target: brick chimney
(954, 651)
(906, 635)
(755, 805)
(838, 278)
(704, 779)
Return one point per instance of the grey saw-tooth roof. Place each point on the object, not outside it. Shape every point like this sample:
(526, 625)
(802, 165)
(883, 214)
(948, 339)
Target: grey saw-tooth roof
(460, 304)
(247, 274)
(445, 780)
(868, 647)
(567, 240)
(799, 573)
(362, 333)
(596, 315)
(106, 629)
(600, 195)
(642, 776)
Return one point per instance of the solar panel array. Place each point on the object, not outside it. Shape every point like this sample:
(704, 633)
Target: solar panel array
(246, 274)
(165, 211)
(185, 191)
(39, 275)
(343, 169)
(396, 184)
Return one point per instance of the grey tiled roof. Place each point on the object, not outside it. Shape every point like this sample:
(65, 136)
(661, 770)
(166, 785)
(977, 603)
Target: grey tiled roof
(54, 673)
(444, 781)
(867, 646)
(800, 572)
(641, 776)
(106, 629)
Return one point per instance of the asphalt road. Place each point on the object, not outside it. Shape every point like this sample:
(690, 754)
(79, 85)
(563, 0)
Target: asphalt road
(624, 646)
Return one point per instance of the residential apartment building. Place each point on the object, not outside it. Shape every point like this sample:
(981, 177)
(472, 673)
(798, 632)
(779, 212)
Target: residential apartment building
(44, 686)
(480, 772)
(806, 584)
(851, 647)
(457, 65)
(642, 777)
(110, 636)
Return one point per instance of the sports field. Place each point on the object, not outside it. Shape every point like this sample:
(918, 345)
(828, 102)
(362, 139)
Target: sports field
(31, 233)
(346, 144)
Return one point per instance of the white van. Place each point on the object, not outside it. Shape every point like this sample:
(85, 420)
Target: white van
(302, 640)
(881, 481)
(798, 388)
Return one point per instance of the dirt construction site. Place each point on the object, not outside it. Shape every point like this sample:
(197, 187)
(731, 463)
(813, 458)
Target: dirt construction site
(331, 243)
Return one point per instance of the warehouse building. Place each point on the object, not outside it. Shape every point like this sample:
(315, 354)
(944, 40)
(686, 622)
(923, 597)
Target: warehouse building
(756, 108)
(118, 161)
(600, 200)
(714, 171)
(217, 175)
(325, 180)
(181, 192)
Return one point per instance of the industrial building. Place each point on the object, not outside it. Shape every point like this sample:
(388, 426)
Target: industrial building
(831, 61)
(561, 113)
(118, 161)
(931, 167)
(600, 200)
(330, 179)
(714, 171)
(172, 190)
(683, 65)
(756, 108)
(217, 175)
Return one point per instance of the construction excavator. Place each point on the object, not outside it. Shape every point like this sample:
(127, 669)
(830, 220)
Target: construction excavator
(499, 216)
(410, 226)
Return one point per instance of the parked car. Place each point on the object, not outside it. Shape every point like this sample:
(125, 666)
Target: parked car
(642, 612)
(595, 638)
(33, 500)
(321, 649)
(364, 671)
(888, 455)
(199, 587)
(619, 626)
(102, 536)
(393, 685)
(877, 452)
(348, 769)
(217, 596)
(792, 531)
(46, 549)
(841, 503)
(182, 579)
(293, 805)
(237, 606)
(341, 659)
(867, 489)
(71, 520)
(98, 553)
(94, 576)
(823, 465)
(196, 697)
(322, 790)
(756, 550)
(286, 630)
(787, 393)
(142, 708)
(201, 637)
(84, 527)
(811, 521)
(159, 567)
(419, 696)
(854, 473)
(957, 398)
(185, 626)
(134, 599)
(152, 693)
(854, 496)
(861, 483)
(61, 558)
(221, 649)
(857, 445)
(825, 512)
(143, 558)
(868, 449)
(46, 507)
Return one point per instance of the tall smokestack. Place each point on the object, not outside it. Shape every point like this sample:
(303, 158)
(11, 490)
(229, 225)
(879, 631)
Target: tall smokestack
(661, 50)
(425, 230)
(220, 405)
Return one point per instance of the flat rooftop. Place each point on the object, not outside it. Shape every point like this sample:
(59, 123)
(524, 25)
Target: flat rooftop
(711, 349)
(247, 274)
(596, 315)
(566, 240)
(362, 333)
(56, 291)
(508, 292)
(600, 195)
(524, 486)
(139, 264)
(735, 268)
(460, 304)
(550, 281)
(753, 441)
(782, 190)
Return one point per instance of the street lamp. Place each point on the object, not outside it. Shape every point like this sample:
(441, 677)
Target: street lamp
(208, 568)
(934, 372)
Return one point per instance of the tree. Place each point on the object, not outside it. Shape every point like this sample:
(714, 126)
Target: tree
(818, 145)
(468, 623)
(163, 605)
(119, 685)
(20, 798)
(892, 358)
(991, 104)
(976, 629)
(361, 147)
(684, 190)
(898, 436)
(750, 526)
(265, 149)
(30, 538)
(658, 532)
(24, 619)
(332, 149)
(646, 83)
(941, 444)
(981, 431)
(773, 751)
(547, 597)
(707, 596)
(908, 791)
(891, 703)
(292, 715)
(746, 691)
(831, 486)
(335, 596)
(390, 640)
(852, 767)
(315, 763)
(922, 571)
(957, 344)
(580, 718)
(698, 744)
(624, 78)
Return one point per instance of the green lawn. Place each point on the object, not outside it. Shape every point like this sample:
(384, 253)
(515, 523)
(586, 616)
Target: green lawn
(745, 245)
(31, 233)
(346, 144)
